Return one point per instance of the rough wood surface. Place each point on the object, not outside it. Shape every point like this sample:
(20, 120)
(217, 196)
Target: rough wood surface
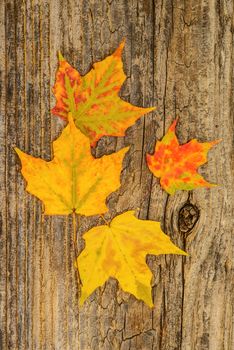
(179, 57)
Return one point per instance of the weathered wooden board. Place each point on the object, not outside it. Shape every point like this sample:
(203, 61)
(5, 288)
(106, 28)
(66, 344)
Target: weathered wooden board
(179, 57)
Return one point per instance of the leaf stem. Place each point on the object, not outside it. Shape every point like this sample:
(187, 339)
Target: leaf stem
(75, 248)
(107, 223)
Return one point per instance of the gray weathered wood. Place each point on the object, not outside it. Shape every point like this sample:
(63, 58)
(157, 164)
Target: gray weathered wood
(179, 57)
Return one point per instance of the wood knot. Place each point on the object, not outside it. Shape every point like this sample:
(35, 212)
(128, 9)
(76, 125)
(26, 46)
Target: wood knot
(188, 216)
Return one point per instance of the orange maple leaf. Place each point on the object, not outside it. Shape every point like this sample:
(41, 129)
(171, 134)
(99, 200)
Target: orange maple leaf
(93, 98)
(176, 165)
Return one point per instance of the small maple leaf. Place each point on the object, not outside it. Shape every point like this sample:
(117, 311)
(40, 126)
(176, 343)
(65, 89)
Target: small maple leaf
(119, 250)
(73, 181)
(176, 165)
(93, 99)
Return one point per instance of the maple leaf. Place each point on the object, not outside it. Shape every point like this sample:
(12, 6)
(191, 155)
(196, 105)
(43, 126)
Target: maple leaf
(93, 99)
(73, 181)
(119, 250)
(176, 165)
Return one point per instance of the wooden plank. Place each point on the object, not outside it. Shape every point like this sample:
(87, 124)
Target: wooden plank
(178, 56)
(3, 240)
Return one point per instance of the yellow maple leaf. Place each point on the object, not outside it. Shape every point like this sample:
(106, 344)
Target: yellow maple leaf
(119, 250)
(73, 181)
(93, 99)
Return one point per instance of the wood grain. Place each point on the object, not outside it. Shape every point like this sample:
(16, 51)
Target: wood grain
(179, 57)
